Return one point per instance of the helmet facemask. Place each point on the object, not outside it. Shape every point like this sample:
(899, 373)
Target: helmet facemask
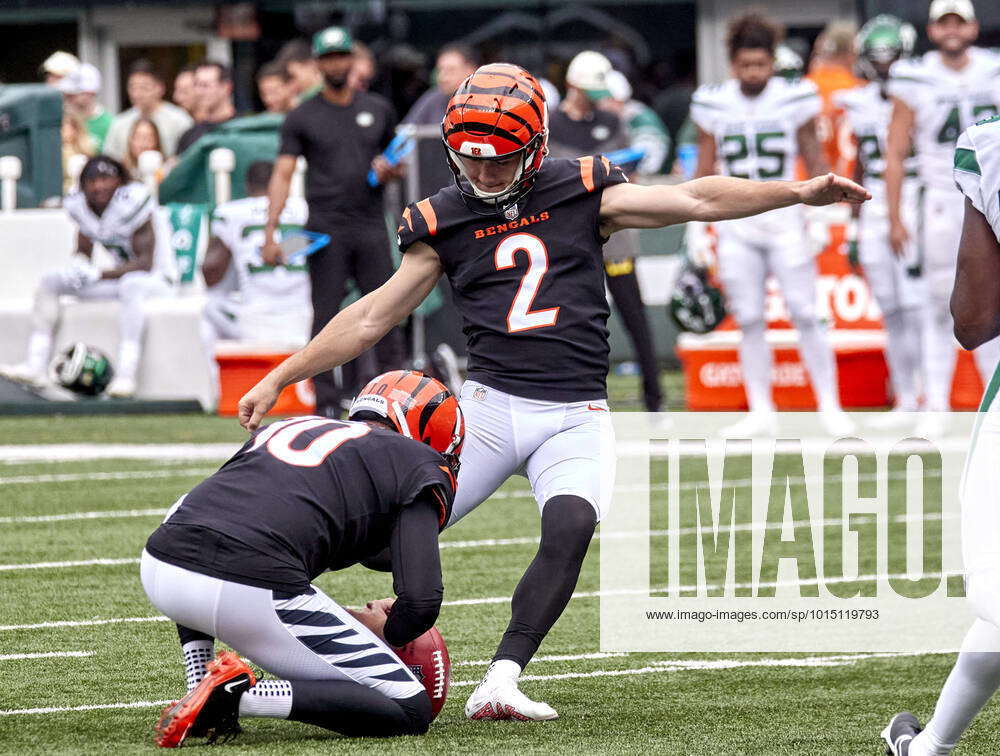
(490, 203)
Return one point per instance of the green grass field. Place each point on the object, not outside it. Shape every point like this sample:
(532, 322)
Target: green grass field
(607, 704)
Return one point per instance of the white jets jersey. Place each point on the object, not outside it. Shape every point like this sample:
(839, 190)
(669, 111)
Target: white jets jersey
(945, 103)
(239, 224)
(868, 113)
(977, 169)
(757, 138)
(130, 208)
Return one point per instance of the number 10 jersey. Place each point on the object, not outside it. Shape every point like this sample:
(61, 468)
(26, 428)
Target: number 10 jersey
(530, 285)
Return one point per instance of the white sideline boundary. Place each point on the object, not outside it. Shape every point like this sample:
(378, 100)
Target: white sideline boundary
(657, 667)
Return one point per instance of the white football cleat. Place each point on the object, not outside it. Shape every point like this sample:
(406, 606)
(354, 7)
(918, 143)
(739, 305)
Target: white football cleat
(836, 422)
(499, 699)
(756, 423)
(121, 388)
(24, 375)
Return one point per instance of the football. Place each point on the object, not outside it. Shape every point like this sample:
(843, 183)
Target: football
(427, 658)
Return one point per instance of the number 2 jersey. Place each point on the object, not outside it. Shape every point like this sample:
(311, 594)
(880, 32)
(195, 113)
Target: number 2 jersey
(945, 102)
(757, 138)
(301, 497)
(530, 288)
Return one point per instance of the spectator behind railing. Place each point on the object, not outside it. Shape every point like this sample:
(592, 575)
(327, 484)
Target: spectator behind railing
(455, 62)
(145, 89)
(75, 141)
(80, 90)
(57, 65)
(213, 88)
(364, 69)
(143, 137)
(183, 94)
(274, 85)
(297, 58)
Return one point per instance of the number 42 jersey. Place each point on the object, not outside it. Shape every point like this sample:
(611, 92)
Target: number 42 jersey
(529, 287)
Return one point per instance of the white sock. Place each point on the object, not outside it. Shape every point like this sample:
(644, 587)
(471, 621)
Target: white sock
(268, 698)
(128, 360)
(755, 362)
(938, 357)
(39, 351)
(902, 370)
(197, 655)
(973, 680)
(817, 356)
(504, 669)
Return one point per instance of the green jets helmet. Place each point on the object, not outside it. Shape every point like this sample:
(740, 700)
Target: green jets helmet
(83, 370)
(696, 306)
(884, 39)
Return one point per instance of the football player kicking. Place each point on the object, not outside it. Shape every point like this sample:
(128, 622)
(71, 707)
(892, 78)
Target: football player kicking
(520, 240)
(975, 305)
(757, 125)
(894, 280)
(935, 98)
(235, 557)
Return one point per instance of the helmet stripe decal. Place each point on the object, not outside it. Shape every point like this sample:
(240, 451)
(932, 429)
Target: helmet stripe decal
(426, 210)
(429, 409)
(520, 81)
(587, 172)
(489, 109)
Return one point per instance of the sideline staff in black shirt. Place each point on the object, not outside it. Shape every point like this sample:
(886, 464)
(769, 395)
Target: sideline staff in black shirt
(341, 134)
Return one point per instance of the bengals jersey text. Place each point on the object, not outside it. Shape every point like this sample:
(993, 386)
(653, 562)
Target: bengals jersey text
(529, 286)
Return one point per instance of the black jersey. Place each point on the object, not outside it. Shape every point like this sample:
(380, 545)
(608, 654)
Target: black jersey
(530, 286)
(302, 496)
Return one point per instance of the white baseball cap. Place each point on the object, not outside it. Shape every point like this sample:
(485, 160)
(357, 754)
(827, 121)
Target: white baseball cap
(961, 8)
(60, 63)
(619, 87)
(86, 78)
(589, 71)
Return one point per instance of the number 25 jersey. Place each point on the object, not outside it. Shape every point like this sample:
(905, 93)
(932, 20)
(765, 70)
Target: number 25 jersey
(757, 138)
(530, 288)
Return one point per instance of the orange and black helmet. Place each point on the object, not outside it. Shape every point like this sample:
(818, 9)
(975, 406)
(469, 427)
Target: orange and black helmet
(419, 407)
(497, 113)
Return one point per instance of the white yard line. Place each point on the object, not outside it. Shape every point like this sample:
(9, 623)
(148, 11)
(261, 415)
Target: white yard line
(548, 658)
(76, 563)
(120, 475)
(26, 453)
(47, 655)
(657, 667)
(97, 515)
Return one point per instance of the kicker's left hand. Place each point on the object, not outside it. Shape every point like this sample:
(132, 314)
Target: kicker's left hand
(831, 188)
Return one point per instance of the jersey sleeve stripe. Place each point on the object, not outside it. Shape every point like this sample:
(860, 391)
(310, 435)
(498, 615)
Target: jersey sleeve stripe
(587, 172)
(965, 160)
(426, 210)
(607, 165)
(408, 218)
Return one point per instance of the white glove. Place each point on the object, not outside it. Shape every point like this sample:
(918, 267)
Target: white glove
(79, 273)
(699, 244)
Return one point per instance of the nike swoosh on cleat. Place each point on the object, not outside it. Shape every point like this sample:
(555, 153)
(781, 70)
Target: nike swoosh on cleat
(230, 685)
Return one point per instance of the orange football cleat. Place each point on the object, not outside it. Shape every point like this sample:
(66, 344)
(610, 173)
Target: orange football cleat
(212, 708)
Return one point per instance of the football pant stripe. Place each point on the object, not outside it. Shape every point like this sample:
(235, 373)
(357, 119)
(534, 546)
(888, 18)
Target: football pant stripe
(372, 660)
(397, 675)
(324, 645)
(306, 617)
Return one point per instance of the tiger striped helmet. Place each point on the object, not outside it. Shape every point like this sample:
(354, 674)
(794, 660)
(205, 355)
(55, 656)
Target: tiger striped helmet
(419, 407)
(497, 113)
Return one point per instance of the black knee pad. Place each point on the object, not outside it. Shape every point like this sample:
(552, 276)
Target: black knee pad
(418, 712)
